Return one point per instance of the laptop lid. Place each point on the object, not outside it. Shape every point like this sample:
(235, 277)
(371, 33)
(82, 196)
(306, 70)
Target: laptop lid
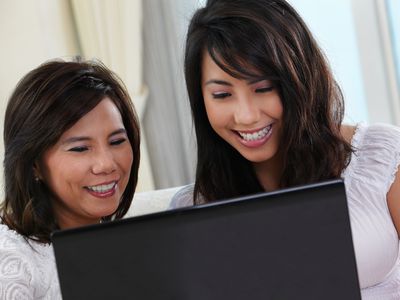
(289, 244)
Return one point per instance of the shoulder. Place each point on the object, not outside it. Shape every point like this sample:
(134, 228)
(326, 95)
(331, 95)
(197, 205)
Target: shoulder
(10, 239)
(387, 135)
(27, 268)
(362, 134)
(348, 131)
(183, 197)
(16, 268)
(379, 145)
(15, 246)
(376, 154)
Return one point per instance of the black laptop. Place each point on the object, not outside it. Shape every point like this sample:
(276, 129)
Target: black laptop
(290, 244)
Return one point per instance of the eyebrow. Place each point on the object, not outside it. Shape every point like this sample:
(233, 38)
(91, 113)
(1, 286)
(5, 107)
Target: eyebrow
(255, 80)
(75, 139)
(215, 81)
(223, 82)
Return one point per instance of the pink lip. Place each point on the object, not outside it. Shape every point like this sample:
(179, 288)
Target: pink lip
(102, 195)
(105, 194)
(256, 143)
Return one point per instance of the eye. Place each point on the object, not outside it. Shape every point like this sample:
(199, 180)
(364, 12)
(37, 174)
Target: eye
(265, 89)
(118, 141)
(220, 95)
(78, 149)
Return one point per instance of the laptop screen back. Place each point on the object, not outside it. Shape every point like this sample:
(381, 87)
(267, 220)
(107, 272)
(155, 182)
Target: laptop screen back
(291, 244)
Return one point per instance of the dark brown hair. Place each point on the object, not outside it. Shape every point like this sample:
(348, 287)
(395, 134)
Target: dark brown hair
(251, 39)
(46, 102)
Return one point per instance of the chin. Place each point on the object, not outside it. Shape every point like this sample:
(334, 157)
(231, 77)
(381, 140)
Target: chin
(105, 212)
(256, 157)
(257, 160)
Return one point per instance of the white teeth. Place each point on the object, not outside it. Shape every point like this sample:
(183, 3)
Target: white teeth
(102, 188)
(256, 135)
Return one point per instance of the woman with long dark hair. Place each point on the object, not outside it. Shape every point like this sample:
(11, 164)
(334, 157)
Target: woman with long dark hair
(71, 138)
(268, 115)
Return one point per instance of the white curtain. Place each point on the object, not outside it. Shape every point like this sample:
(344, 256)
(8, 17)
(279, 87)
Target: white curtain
(112, 32)
(167, 119)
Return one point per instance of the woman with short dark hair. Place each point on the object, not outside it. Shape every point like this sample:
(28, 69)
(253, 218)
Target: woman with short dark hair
(71, 138)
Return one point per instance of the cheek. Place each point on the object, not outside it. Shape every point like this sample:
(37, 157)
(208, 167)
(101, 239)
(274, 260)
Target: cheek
(62, 173)
(69, 174)
(272, 107)
(125, 159)
(278, 107)
(216, 114)
(59, 183)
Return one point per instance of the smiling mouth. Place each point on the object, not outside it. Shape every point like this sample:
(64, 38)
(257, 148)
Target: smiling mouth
(256, 135)
(102, 188)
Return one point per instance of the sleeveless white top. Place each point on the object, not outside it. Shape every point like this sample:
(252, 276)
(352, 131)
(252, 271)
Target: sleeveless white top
(368, 178)
(27, 270)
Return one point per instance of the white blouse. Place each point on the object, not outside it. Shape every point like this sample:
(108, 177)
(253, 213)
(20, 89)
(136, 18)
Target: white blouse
(27, 270)
(368, 178)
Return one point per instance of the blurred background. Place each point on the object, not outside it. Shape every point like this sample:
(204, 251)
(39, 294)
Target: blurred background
(143, 42)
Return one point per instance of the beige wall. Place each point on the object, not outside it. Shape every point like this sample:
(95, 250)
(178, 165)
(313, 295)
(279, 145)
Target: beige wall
(32, 32)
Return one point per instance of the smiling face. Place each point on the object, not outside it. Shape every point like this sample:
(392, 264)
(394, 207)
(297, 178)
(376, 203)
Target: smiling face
(89, 167)
(246, 114)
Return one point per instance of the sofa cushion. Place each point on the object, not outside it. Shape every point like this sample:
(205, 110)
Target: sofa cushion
(151, 201)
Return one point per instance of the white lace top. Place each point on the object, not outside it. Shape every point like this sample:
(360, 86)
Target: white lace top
(368, 178)
(27, 270)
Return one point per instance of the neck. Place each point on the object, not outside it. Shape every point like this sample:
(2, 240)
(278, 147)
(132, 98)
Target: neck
(67, 221)
(269, 173)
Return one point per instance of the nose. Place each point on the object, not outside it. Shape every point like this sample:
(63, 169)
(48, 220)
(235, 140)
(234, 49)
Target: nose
(103, 162)
(247, 111)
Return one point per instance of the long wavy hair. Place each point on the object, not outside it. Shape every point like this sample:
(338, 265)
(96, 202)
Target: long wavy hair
(46, 102)
(265, 38)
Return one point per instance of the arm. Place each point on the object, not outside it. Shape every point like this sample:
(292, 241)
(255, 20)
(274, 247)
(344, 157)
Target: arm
(393, 198)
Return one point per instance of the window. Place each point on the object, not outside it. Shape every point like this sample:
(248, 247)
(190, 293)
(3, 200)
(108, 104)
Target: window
(338, 40)
(393, 7)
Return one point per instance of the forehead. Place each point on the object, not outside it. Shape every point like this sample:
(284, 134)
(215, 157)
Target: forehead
(104, 116)
(238, 68)
(210, 69)
(209, 66)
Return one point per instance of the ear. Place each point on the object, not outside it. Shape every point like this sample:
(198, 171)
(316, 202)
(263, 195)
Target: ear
(37, 172)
